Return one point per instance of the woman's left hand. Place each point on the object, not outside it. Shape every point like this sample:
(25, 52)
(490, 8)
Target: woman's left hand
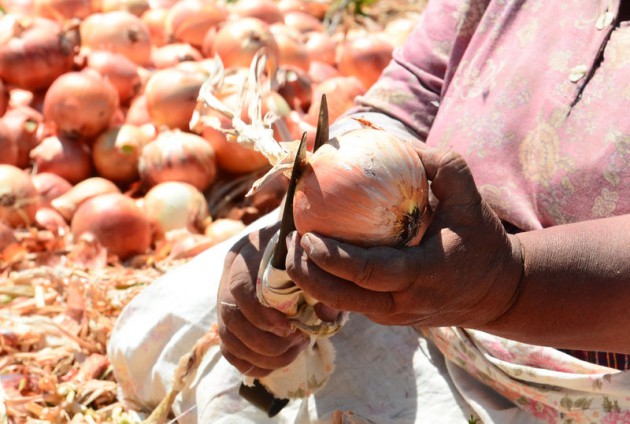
(465, 272)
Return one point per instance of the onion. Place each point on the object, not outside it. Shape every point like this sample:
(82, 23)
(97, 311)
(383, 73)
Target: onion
(67, 203)
(178, 156)
(365, 187)
(5, 98)
(116, 153)
(175, 205)
(34, 52)
(118, 32)
(365, 58)
(23, 123)
(340, 92)
(135, 7)
(224, 228)
(116, 222)
(172, 54)
(321, 47)
(265, 10)
(316, 8)
(155, 20)
(50, 186)
(62, 10)
(320, 71)
(19, 7)
(121, 72)
(19, 199)
(296, 88)
(171, 96)
(80, 104)
(237, 42)
(138, 114)
(8, 146)
(189, 20)
(51, 220)
(291, 52)
(303, 22)
(67, 158)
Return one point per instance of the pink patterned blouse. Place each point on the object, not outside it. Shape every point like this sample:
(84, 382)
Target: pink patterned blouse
(535, 94)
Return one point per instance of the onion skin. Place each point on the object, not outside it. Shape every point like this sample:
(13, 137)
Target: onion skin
(24, 124)
(67, 158)
(178, 156)
(265, 10)
(237, 42)
(34, 52)
(121, 72)
(63, 10)
(8, 146)
(116, 153)
(67, 203)
(174, 53)
(118, 32)
(175, 205)
(49, 219)
(340, 92)
(116, 222)
(5, 98)
(80, 104)
(365, 58)
(171, 96)
(19, 199)
(50, 186)
(367, 188)
(188, 21)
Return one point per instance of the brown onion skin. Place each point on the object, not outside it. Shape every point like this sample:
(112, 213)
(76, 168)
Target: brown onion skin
(178, 156)
(265, 10)
(171, 96)
(116, 152)
(121, 72)
(63, 10)
(237, 42)
(171, 54)
(80, 104)
(50, 186)
(365, 187)
(8, 146)
(118, 32)
(68, 202)
(19, 199)
(116, 222)
(67, 158)
(155, 20)
(34, 52)
(24, 124)
(365, 58)
(188, 21)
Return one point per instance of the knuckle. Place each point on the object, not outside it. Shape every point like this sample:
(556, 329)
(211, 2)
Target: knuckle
(364, 272)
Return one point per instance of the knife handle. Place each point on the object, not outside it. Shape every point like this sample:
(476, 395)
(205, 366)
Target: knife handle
(262, 398)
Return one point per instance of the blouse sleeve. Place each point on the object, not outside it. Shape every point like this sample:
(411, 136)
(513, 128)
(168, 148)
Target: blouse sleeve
(407, 96)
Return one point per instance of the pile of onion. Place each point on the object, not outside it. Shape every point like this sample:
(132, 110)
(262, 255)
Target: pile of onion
(365, 187)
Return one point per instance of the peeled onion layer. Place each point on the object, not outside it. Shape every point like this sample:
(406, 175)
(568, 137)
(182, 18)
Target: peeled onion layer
(367, 188)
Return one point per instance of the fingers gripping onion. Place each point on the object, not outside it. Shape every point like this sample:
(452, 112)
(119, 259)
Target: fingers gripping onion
(367, 188)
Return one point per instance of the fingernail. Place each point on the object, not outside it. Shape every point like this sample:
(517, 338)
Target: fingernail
(307, 243)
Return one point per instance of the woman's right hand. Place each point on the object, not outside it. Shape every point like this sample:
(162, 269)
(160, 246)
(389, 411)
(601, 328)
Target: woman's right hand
(254, 338)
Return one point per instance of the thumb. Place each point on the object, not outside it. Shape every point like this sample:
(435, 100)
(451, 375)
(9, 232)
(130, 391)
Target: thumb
(452, 182)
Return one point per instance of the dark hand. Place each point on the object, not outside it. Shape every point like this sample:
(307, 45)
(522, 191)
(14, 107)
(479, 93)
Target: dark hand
(465, 272)
(254, 338)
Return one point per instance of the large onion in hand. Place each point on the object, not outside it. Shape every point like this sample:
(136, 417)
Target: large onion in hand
(367, 188)
(19, 199)
(116, 222)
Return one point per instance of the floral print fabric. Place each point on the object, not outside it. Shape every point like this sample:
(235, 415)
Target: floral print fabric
(535, 95)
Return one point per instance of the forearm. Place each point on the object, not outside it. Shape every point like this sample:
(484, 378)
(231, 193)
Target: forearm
(575, 288)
